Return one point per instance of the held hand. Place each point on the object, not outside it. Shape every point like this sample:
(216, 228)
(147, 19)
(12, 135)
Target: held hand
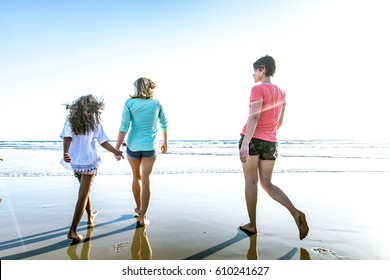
(119, 155)
(244, 153)
(67, 157)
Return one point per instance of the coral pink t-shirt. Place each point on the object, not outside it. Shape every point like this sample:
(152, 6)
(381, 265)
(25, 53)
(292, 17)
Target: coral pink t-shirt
(273, 100)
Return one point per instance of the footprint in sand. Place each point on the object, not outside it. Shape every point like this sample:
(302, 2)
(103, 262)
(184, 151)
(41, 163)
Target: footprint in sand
(327, 254)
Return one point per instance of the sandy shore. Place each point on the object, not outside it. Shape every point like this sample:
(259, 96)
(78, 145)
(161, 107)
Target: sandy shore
(196, 216)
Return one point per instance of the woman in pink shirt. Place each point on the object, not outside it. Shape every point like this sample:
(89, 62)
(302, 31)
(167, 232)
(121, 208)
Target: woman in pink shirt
(259, 147)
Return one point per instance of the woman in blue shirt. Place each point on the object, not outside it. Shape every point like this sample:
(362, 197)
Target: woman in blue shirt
(139, 120)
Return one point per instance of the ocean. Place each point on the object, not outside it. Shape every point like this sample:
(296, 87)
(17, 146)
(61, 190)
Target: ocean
(41, 158)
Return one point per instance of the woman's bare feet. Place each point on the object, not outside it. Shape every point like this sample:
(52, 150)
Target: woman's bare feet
(91, 219)
(248, 229)
(76, 237)
(303, 228)
(137, 212)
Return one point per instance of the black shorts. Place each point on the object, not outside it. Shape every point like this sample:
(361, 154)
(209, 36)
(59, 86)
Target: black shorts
(264, 149)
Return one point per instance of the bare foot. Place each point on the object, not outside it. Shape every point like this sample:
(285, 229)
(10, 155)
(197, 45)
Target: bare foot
(76, 237)
(91, 220)
(137, 212)
(248, 229)
(302, 225)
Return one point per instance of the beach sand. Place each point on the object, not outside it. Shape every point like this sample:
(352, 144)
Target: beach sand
(196, 216)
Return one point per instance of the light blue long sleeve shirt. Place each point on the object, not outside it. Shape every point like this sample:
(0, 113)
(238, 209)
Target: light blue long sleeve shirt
(139, 120)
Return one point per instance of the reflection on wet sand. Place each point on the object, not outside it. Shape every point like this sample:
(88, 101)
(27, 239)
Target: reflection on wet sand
(85, 250)
(254, 255)
(304, 256)
(140, 247)
(252, 251)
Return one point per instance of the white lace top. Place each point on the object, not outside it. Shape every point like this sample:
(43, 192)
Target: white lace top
(83, 150)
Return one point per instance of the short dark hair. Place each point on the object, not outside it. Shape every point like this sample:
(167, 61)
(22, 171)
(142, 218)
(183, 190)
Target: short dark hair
(266, 62)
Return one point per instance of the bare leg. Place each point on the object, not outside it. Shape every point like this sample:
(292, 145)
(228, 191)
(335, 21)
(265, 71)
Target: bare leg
(136, 185)
(251, 180)
(86, 182)
(88, 208)
(265, 172)
(91, 214)
(147, 165)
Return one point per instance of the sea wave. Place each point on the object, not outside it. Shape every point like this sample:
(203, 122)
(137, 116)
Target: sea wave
(41, 158)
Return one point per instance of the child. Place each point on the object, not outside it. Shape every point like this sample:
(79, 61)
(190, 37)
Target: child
(81, 132)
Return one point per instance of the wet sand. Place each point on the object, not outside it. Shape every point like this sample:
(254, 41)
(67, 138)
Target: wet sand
(196, 217)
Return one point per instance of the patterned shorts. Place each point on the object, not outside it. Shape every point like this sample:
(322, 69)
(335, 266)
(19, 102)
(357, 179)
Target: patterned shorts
(78, 173)
(264, 149)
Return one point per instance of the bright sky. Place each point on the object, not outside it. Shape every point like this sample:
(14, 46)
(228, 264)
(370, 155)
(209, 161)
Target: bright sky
(332, 60)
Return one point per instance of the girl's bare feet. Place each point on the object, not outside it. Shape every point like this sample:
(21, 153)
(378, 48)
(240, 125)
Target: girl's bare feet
(248, 229)
(76, 237)
(91, 219)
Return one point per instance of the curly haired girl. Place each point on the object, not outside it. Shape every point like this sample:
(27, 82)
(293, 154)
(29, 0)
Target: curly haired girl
(81, 131)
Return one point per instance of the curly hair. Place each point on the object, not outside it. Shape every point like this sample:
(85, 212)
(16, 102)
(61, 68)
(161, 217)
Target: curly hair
(84, 115)
(143, 88)
(266, 62)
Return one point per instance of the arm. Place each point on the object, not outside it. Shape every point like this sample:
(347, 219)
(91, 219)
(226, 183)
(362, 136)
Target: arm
(281, 116)
(164, 146)
(110, 148)
(66, 143)
(250, 129)
(120, 139)
(164, 126)
(119, 142)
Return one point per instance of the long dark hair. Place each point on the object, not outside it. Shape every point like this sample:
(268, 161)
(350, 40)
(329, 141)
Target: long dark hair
(84, 115)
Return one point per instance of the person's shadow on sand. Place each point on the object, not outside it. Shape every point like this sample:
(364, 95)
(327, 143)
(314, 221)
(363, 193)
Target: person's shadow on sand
(56, 245)
(205, 253)
(86, 249)
(252, 253)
